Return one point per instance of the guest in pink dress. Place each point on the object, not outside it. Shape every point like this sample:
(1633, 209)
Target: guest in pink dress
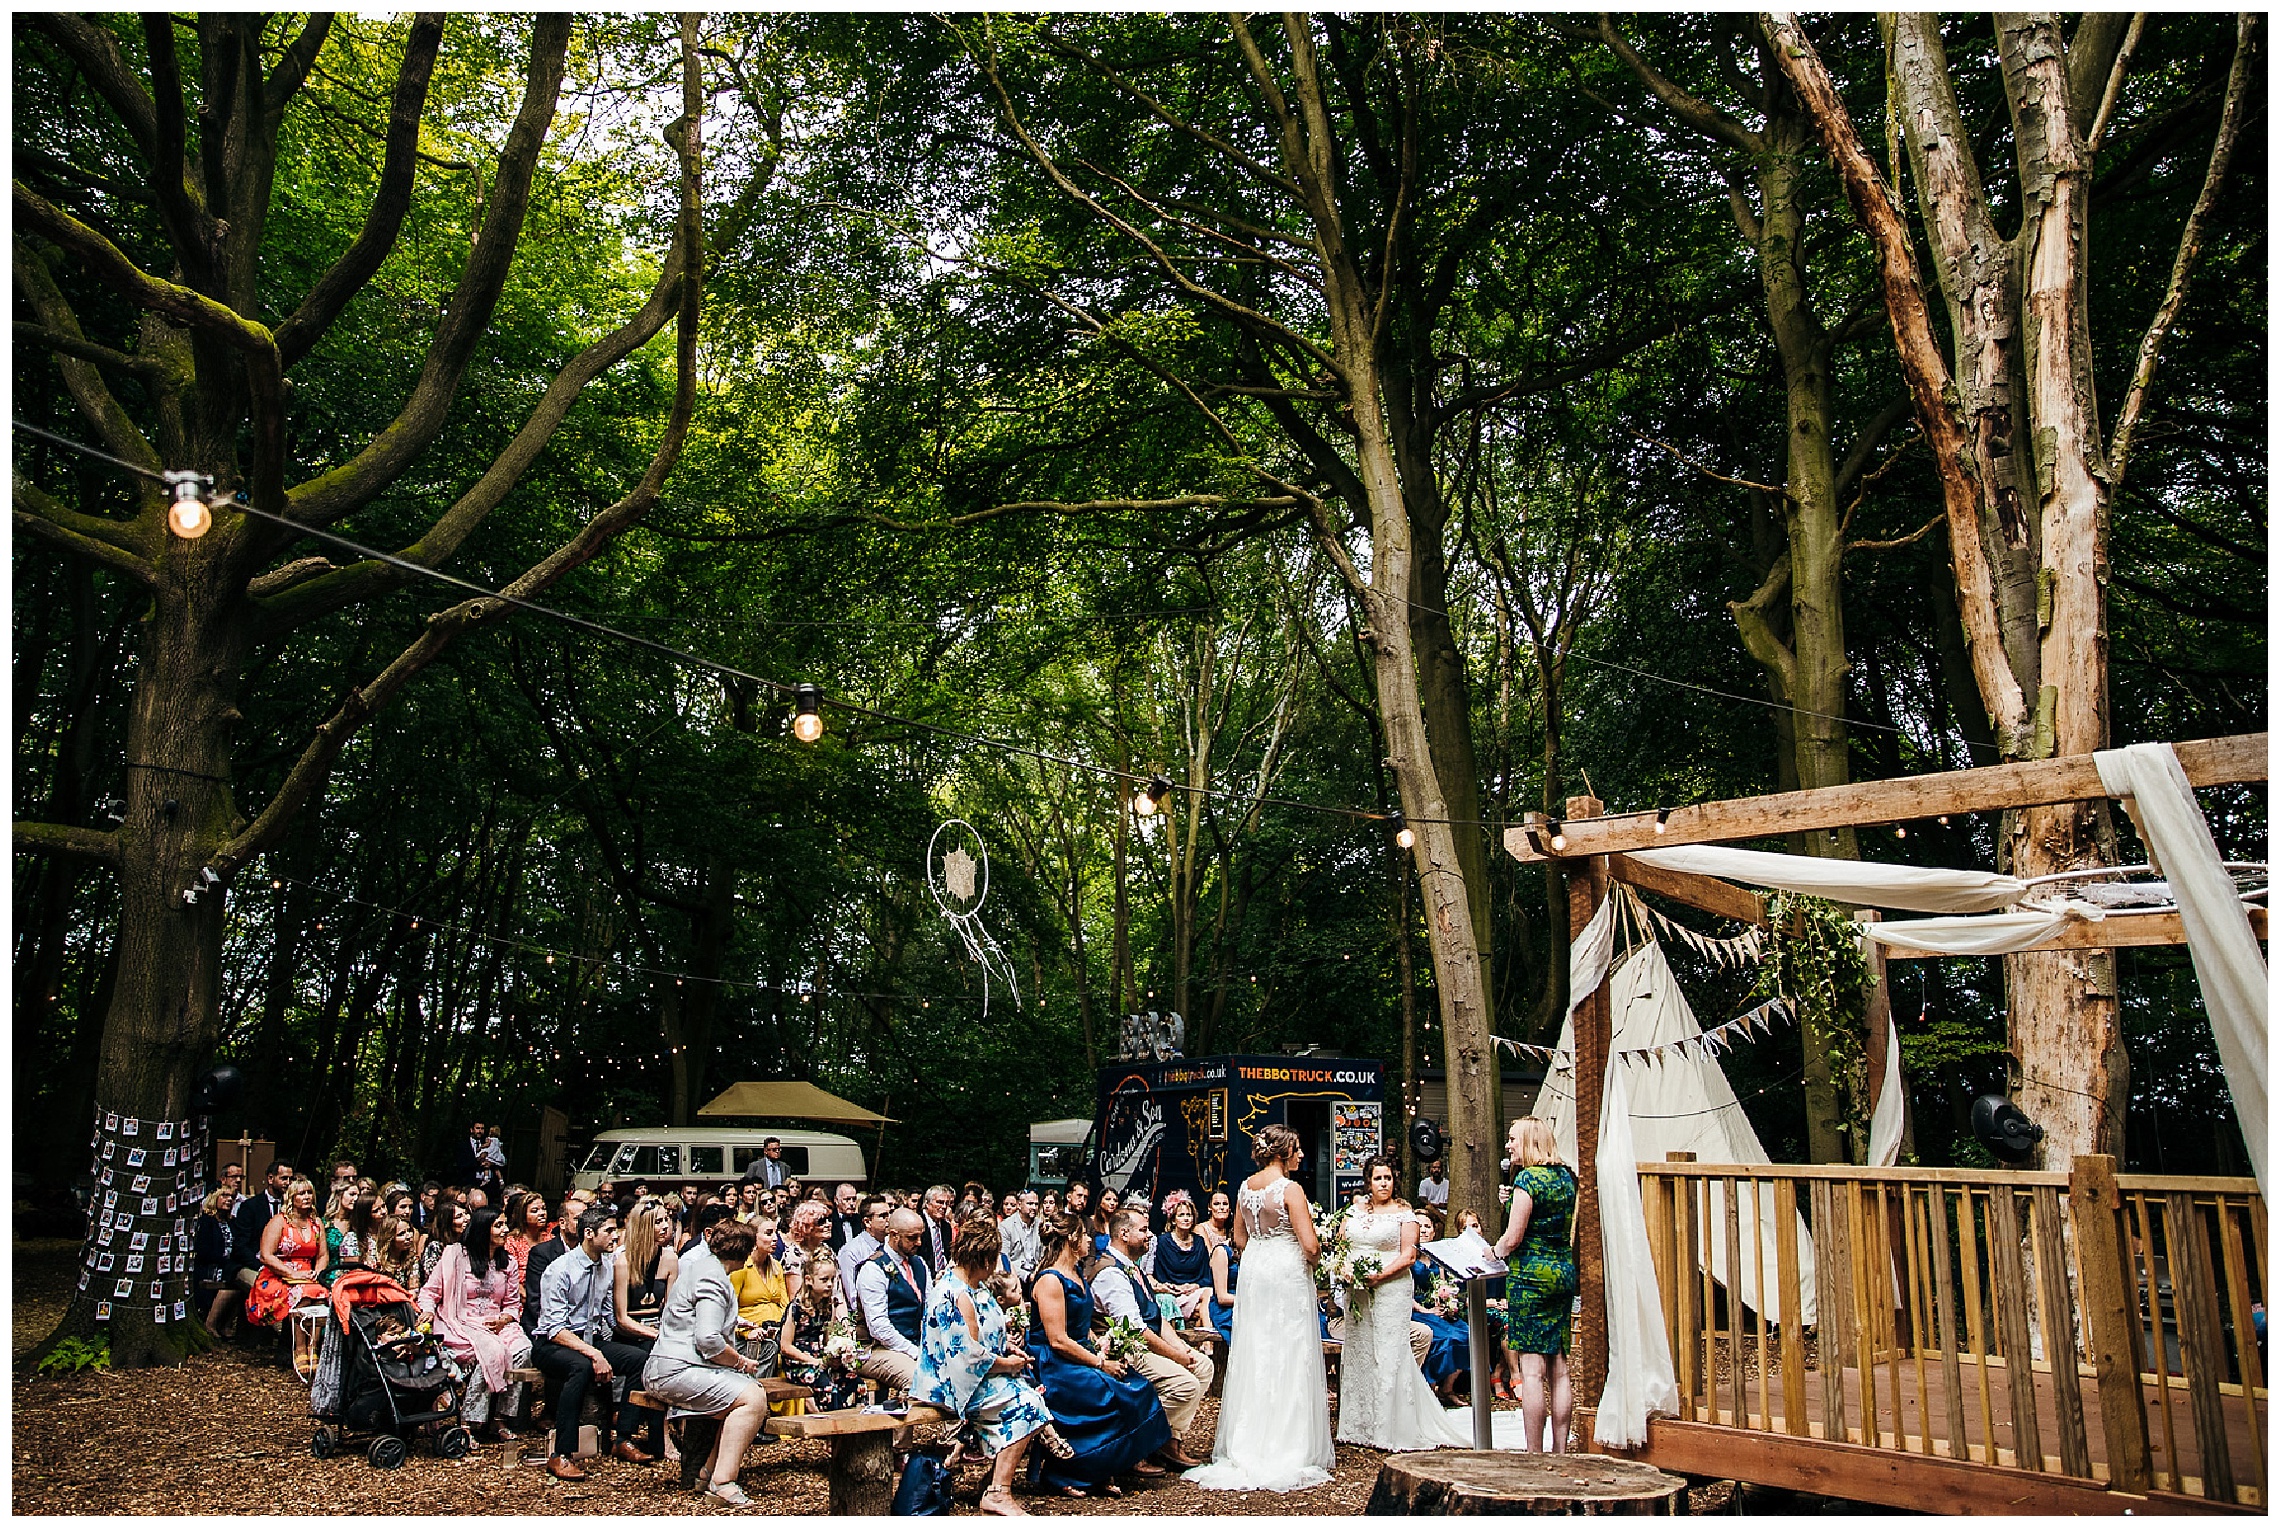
(475, 1301)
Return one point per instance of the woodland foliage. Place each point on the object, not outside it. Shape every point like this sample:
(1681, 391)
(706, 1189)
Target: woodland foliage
(1002, 471)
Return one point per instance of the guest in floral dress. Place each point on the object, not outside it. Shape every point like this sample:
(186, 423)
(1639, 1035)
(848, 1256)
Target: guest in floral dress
(967, 1366)
(807, 1329)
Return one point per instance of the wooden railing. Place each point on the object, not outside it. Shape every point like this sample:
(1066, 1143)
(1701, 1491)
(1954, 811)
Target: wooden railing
(1990, 1317)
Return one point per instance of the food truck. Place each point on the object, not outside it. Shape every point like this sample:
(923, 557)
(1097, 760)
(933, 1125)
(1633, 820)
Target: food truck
(1188, 1122)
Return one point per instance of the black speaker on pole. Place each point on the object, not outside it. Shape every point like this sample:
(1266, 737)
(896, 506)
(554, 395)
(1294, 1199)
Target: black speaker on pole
(1425, 1143)
(2003, 1129)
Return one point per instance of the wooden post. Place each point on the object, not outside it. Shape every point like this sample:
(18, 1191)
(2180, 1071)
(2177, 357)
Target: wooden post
(1876, 1039)
(1587, 889)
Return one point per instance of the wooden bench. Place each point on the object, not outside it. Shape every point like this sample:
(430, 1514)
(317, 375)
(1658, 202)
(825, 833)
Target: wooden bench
(701, 1430)
(862, 1471)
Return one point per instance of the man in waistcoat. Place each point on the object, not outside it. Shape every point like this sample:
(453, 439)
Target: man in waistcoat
(1181, 1375)
(890, 1290)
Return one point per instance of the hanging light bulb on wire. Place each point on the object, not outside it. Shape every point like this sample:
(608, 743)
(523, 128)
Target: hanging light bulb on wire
(1403, 834)
(188, 516)
(807, 712)
(1151, 796)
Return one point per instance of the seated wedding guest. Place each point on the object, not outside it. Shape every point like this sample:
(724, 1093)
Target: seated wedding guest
(292, 1256)
(970, 1368)
(476, 1305)
(214, 1262)
(846, 1216)
(641, 1280)
(1218, 1224)
(527, 1226)
(1433, 1198)
(763, 1290)
(1225, 1264)
(397, 1202)
(696, 1365)
(423, 1207)
(1108, 1413)
(804, 1235)
(252, 1217)
(1181, 1375)
(396, 1252)
(1018, 1233)
(450, 1227)
(576, 1348)
(1102, 1218)
(935, 1208)
(1049, 1204)
(543, 1255)
(807, 1327)
(1183, 1258)
(348, 1228)
(866, 1244)
(890, 1294)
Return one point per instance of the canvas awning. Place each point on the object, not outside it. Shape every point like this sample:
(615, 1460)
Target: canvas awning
(789, 1100)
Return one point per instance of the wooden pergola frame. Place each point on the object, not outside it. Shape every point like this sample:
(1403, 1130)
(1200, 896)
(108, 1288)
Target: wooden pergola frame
(1595, 849)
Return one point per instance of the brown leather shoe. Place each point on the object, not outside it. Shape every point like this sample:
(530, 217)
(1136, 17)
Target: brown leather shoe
(561, 1468)
(630, 1452)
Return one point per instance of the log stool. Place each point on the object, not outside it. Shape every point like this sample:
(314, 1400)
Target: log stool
(1471, 1483)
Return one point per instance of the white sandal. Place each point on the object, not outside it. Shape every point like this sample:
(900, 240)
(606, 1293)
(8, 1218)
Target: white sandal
(729, 1494)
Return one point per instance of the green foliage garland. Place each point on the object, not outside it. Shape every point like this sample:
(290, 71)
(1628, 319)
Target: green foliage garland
(1813, 961)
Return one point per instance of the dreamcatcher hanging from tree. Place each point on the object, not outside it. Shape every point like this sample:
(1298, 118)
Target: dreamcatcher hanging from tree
(958, 878)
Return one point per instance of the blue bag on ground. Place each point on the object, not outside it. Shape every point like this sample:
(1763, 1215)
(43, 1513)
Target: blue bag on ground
(924, 1490)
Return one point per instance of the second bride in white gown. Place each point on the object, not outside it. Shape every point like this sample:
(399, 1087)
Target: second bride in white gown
(1383, 1399)
(1274, 1408)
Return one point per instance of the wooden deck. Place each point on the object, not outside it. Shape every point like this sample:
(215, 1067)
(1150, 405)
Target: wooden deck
(1912, 1382)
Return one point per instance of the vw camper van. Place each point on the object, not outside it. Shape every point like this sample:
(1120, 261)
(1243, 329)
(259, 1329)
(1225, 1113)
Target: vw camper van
(712, 1156)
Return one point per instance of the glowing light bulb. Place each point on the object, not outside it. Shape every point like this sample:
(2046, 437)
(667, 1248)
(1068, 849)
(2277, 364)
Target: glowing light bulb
(807, 713)
(1403, 833)
(1151, 796)
(1559, 840)
(188, 516)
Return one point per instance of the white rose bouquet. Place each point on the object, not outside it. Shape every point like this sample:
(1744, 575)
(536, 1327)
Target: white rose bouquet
(841, 1349)
(1127, 1339)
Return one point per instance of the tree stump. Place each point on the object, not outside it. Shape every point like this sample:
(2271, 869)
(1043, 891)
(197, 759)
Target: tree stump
(862, 1474)
(1470, 1482)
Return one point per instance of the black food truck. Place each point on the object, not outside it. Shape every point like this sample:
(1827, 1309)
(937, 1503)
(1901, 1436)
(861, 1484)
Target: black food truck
(1188, 1123)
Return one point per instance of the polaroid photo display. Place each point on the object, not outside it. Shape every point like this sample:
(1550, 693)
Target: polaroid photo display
(166, 1130)
(123, 1290)
(134, 1262)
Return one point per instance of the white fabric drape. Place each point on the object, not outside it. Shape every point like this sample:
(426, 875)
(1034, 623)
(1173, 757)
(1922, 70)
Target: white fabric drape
(1640, 1378)
(1987, 934)
(1891, 1117)
(1860, 882)
(1682, 1104)
(1591, 954)
(2226, 958)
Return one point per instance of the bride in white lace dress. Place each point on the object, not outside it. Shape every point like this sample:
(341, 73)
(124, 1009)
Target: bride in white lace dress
(1383, 1399)
(1274, 1409)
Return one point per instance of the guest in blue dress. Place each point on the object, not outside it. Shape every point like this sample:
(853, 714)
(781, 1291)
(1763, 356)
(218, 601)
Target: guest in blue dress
(967, 1366)
(1183, 1258)
(1225, 1265)
(1449, 1359)
(1107, 1412)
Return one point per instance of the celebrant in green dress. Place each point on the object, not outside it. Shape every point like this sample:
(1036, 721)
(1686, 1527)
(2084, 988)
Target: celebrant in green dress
(1540, 1280)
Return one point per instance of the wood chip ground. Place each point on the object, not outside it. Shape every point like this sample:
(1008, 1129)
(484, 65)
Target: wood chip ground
(228, 1434)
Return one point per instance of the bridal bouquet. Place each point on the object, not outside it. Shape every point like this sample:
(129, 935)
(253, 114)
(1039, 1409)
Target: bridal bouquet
(1127, 1339)
(1342, 1264)
(841, 1350)
(1446, 1297)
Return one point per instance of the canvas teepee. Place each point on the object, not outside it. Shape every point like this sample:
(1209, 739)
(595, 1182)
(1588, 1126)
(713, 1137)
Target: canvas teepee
(1681, 1102)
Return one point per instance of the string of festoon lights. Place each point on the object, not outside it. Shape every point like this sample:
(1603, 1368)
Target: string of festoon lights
(190, 515)
(570, 962)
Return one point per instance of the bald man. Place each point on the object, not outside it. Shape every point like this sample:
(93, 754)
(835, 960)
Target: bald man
(890, 1291)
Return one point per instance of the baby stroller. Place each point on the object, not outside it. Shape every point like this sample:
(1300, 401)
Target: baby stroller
(387, 1377)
